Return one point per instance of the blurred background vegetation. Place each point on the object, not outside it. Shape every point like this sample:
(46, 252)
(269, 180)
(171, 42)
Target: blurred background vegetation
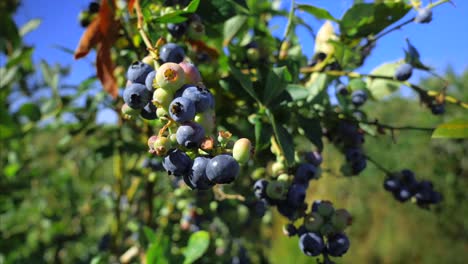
(60, 174)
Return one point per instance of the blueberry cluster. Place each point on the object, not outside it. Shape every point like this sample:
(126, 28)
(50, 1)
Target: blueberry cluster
(86, 16)
(175, 93)
(288, 193)
(403, 185)
(322, 231)
(350, 138)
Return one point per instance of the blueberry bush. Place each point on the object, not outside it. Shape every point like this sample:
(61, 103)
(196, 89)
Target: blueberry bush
(222, 129)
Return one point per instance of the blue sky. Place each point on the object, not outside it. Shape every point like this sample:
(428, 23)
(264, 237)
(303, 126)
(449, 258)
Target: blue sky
(442, 42)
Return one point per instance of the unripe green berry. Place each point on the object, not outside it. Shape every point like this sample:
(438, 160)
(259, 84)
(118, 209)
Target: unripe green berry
(207, 121)
(327, 229)
(242, 150)
(170, 76)
(161, 146)
(277, 190)
(162, 98)
(325, 209)
(277, 168)
(284, 177)
(129, 112)
(258, 173)
(313, 222)
(161, 112)
(341, 219)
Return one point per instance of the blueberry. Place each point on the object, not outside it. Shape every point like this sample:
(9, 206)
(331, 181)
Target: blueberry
(177, 30)
(353, 154)
(190, 134)
(222, 169)
(192, 74)
(315, 205)
(136, 96)
(150, 80)
(138, 71)
(341, 88)
(180, 91)
(392, 184)
(424, 16)
(338, 245)
(438, 109)
(153, 164)
(296, 195)
(301, 230)
(171, 52)
(314, 158)
(358, 166)
(93, 7)
(200, 96)
(260, 187)
(182, 109)
(404, 72)
(260, 207)
(149, 112)
(170, 76)
(304, 173)
(177, 163)
(311, 244)
(286, 210)
(197, 176)
(403, 194)
(358, 97)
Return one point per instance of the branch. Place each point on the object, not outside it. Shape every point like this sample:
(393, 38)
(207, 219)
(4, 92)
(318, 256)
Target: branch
(140, 21)
(378, 165)
(221, 195)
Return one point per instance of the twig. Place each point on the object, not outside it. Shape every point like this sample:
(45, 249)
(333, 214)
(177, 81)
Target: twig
(221, 195)
(140, 21)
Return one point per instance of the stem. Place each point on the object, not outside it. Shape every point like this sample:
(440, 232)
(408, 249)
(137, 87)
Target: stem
(397, 27)
(378, 166)
(140, 21)
(376, 123)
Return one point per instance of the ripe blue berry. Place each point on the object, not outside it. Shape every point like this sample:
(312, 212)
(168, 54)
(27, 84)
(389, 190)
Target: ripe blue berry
(338, 245)
(341, 88)
(93, 7)
(424, 16)
(200, 96)
(403, 194)
(153, 164)
(197, 177)
(190, 134)
(138, 71)
(311, 244)
(404, 72)
(438, 109)
(304, 173)
(150, 80)
(392, 184)
(177, 163)
(260, 187)
(314, 158)
(182, 109)
(177, 30)
(222, 169)
(358, 97)
(136, 96)
(296, 195)
(171, 52)
(149, 112)
(289, 230)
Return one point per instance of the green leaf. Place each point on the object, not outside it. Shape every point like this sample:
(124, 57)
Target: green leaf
(149, 234)
(457, 128)
(155, 254)
(51, 77)
(284, 139)
(197, 245)
(319, 13)
(357, 84)
(19, 56)
(174, 17)
(276, 82)
(29, 26)
(312, 130)
(365, 19)
(192, 7)
(345, 55)
(297, 92)
(7, 76)
(31, 111)
(245, 82)
(316, 84)
(380, 88)
(263, 132)
(232, 26)
(11, 169)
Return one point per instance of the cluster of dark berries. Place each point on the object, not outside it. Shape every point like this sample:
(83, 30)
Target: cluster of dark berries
(179, 97)
(193, 28)
(350, 138)
(403, 185)
(86, 16)
(322, 231)
(287, 192)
